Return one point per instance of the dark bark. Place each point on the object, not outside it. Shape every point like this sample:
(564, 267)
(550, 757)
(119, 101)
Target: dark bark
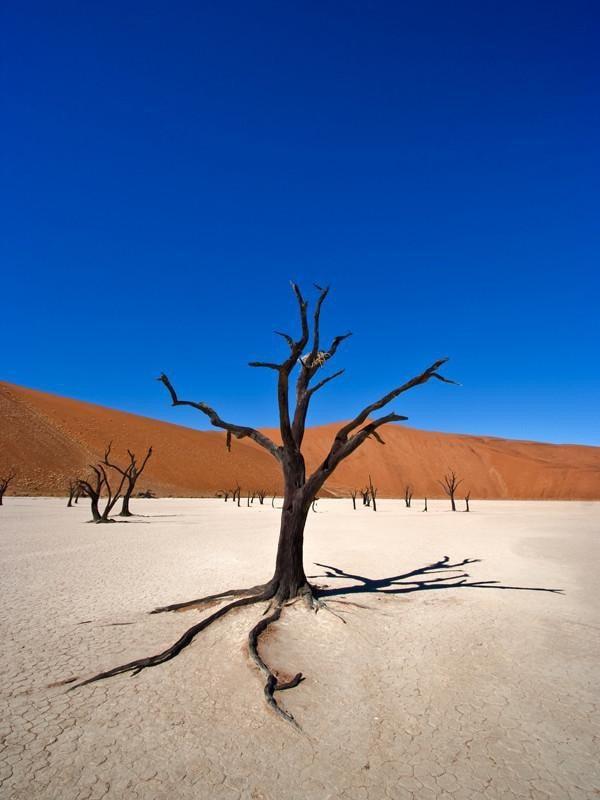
(425, 508)
(467, 498)
(408, 493)
(353, 494)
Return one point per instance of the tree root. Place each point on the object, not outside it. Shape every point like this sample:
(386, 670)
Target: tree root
(135, 667)
(272, 685)
(201, 601)
(256, 594)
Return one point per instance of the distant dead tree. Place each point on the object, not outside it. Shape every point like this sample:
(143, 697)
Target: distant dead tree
(366, 496)
(450, 484)
(353, 493)
(5, 482)
(130, 473)
(373, 493)
(223, 493)
(467, 498)
(408, 493)
(148, 494)
(289, 580)
(425, 508)
(237, 494)
(261, 494)
(73, 487)
(94, 489)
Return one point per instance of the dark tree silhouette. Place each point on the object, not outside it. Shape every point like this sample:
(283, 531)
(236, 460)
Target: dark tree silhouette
(450, 484)
(288, 581)
(373, 494)
(5, 482)
(366, 496)
(130, 473)
(467, 498)
(408, 493)
(425, 508)
(353, 493)
(223, 493)
(95, 487)
(73, 487)
(261, 494)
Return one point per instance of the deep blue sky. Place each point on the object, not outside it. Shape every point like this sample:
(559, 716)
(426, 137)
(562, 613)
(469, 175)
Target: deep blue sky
(167, 167)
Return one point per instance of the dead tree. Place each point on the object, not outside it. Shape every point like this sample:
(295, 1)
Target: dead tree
(261, 494)
(5, 482)
(366, 496)
(95, 487)
(373, 494)
(223, 493)
(467, 498)
(425, 508)
(289, 580)
(450, 484)
(73, 487)
(130, 473)
(408, 493)
(353, 493)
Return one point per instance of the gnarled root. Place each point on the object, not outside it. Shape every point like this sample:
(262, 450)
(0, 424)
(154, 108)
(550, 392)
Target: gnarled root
(273, 684)
(211, 598)
(134, 667)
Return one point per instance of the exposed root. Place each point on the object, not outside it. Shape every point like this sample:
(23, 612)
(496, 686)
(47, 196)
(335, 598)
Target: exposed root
(135, 667)
(200, 601)
(272, 685)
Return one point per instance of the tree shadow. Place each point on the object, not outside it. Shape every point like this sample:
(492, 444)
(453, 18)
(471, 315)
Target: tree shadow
(452, 576)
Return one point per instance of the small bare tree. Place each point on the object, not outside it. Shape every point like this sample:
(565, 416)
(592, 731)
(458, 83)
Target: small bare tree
(408, 493)
(5, 481)
(373, 493)
(95, 487)
(467, 498)
(353, 493)
(425, 508)
(366, 496)
(130, 473)
(450, 484)
(261, 494)
(73, 487)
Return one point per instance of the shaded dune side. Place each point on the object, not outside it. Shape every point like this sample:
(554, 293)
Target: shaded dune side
(48, 439)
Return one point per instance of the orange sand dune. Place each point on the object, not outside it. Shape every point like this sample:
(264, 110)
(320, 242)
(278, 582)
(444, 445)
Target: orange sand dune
(48, 439)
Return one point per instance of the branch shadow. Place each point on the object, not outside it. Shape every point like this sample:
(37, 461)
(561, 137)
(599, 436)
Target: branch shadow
(452, 576)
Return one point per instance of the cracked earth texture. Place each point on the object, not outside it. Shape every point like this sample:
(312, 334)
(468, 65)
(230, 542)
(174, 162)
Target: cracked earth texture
(465, 692)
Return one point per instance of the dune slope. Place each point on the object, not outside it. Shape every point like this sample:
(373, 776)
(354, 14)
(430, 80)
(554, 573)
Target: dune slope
(48, 438)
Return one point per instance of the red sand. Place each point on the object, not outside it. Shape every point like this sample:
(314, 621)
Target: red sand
(48, 439)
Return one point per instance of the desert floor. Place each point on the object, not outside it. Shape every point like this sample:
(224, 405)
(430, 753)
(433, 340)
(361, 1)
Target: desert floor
(429, 691)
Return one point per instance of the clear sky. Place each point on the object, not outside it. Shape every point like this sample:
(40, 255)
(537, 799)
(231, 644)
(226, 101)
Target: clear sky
(168, 167)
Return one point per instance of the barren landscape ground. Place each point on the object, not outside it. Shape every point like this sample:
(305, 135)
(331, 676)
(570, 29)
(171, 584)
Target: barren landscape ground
(428, 691)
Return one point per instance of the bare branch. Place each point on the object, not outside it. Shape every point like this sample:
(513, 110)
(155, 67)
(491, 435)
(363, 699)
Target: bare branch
(430, 372)
(239, 431)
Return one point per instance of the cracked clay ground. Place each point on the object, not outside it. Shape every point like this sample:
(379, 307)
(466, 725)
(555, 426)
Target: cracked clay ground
(465, 692)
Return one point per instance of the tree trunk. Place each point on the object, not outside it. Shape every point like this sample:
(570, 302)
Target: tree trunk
(125, 512)
(289, 576)
(95, 509)
(1, 496)
(453, 503)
